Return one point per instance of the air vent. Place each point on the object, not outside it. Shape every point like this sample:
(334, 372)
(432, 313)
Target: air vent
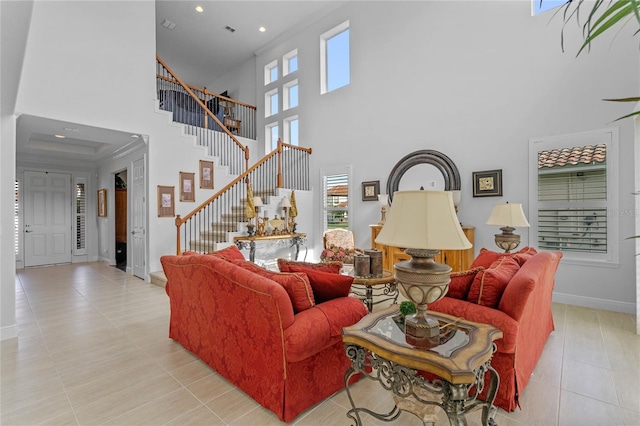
(168, 24)
(230, 29)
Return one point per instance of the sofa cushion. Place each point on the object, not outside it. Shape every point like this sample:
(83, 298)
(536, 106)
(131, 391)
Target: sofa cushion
(486, 257)
(295, 266)
(488, 285)
(296, 284)
(524, 254)
(461, 282)
(228, 253)
(327, 286)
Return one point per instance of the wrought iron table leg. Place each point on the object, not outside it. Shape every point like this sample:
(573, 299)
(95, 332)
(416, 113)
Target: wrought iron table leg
(252, 251)
(369, 298)
(488, 411)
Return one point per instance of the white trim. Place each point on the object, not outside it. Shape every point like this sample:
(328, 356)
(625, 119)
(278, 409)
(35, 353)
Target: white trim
(591, 302)
(324, 37)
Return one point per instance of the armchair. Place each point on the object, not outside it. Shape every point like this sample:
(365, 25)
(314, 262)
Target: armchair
(339, 242)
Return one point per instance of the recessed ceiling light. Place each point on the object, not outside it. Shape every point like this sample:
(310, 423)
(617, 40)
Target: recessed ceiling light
(199, 9)
(60, 136)
(262, 29)
(168, 24)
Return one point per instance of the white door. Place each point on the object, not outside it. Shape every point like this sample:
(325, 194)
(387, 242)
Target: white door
(138, 224)
(47, 218)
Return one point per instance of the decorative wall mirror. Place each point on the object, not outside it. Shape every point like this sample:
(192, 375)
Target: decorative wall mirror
(437, 159)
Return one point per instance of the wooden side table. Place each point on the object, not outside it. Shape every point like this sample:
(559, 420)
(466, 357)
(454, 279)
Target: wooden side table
(377, 347)
(363, 287)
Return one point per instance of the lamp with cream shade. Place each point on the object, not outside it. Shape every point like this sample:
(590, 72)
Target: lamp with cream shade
(286, 205)
(425, 222)
(383, 200)
(508, 217)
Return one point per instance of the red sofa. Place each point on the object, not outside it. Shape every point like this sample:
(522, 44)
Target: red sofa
(524, 316)
(243, 325)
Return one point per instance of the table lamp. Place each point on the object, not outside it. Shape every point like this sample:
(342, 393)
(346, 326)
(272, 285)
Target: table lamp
(424, 222)
(286, 205)
(508, 216)
(383, 200)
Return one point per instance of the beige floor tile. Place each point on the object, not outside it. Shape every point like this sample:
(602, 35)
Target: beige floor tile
(627, 384)
(629, 417)
(539, 404)
(37, 412)
(191, 372)
(589, 380)
(232, 405)
(196, 417)
(210, 387)
(577, 410)
(548, 370)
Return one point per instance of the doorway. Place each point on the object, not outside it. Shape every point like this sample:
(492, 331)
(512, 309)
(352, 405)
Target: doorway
(121, 219)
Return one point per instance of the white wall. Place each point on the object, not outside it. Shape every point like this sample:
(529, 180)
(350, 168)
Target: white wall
(476, 81)
(240, 83)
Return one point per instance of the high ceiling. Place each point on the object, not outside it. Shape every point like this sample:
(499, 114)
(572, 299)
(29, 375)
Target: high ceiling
(199, 49)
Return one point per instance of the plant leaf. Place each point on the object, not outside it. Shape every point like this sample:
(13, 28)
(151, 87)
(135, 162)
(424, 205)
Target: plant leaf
(623, 100)
(603, 25)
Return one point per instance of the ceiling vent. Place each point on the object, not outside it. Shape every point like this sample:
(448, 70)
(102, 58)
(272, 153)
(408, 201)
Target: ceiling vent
(168, 24)
(230, 29)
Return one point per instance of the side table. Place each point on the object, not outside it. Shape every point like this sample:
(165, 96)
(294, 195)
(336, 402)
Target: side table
(246, 242)
(363, 287)
(377, 349)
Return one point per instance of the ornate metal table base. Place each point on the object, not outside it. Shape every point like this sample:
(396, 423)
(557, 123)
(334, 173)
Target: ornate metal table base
(290, 240)
(367, 292)
(456, 400)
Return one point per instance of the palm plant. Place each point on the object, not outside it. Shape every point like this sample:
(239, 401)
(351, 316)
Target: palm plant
(602, 17)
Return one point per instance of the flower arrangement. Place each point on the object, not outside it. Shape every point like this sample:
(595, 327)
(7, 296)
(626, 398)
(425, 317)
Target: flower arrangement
(335, 253)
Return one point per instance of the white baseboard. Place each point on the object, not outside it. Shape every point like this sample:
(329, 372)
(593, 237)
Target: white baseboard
(590, 302)
(9, 332)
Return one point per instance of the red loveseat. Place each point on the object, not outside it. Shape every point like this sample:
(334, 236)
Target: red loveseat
(242, 324)
(523, 313)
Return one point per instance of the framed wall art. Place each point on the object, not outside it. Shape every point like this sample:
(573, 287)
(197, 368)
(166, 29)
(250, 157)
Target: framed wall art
(187, 186)
(206, 174)
(102, 202)
(487, 183)
(166, 201)
(370, 190)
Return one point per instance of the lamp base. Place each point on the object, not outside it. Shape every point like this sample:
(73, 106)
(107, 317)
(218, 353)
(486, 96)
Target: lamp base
(421, 330)
(507, 241)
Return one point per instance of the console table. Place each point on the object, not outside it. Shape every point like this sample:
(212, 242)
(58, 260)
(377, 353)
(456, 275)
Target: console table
(291, 240)
(458, 362)
(459, 260)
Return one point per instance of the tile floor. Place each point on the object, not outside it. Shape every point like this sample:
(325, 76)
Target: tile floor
(93, 350)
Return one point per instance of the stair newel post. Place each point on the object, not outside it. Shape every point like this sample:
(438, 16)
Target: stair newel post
(178, 246)
(279, 183)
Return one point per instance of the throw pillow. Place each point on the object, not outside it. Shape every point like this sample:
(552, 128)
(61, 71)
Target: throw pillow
(295, 266)
(526, 253)
(228, 253)
(295, 284)
(327, 286)
(461, 282)
(488, 285)
(486, 257)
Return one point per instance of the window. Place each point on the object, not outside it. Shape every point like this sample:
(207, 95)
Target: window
(290, 95)
(540, 6)
(270, 72)
(81, 216)
(271, 136)
(291, 130)
(334, 58)
(335, 194)
(574, 193)
(271, 103)
(290, 62)
(16, 217)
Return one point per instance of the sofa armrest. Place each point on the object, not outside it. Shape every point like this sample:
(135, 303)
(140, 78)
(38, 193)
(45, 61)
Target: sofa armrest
(320, 327)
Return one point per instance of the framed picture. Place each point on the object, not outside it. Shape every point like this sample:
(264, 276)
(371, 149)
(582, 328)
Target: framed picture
(370, 190)
(206, 174)
(102, 202)
(166, 202)
(487, 183)
(187, 186)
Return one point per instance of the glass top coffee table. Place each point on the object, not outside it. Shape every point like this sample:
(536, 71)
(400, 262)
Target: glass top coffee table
(455, 365)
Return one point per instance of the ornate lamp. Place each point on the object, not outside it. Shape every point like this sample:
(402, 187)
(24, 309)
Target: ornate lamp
(508, 216)
(383, 200)
(286, 205)
(425, 222)
(257, 203)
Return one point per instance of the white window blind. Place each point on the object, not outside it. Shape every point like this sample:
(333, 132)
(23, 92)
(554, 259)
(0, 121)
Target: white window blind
(16, 217)
(81, 218)
(336, 200)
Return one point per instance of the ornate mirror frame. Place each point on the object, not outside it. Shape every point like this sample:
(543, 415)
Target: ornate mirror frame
(426, 156)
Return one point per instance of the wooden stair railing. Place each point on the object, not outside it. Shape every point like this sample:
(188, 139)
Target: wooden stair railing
(206, 226)
(168, 81)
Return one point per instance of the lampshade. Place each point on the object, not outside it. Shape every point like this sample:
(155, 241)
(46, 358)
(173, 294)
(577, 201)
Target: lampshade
(508, 215)
(423, 220)
(383, 200)
(257, 202)
(285, 203)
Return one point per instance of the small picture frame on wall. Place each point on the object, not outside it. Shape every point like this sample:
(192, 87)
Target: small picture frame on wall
(102, 202)
(487, 183)
(206, 174)
(187, 186)
(370, 190)
(166, 202)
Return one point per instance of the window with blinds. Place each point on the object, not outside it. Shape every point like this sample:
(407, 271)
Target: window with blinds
(574, 196)
(81, 216)
(335, 200)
